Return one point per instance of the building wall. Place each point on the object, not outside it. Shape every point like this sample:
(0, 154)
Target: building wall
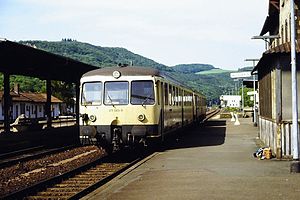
(287, 95)
(233, 101)
(285, 21)
(31, 110)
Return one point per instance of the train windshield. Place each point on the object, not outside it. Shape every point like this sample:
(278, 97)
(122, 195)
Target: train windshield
(142, 93)
(116, 93)
(91, 93)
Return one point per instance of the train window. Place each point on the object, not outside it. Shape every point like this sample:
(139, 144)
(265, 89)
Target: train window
(91, 93)
(142, 93)
(170, 95)
(180, 97)
(173, 95)
(176, 97)
(166, 94)
(116, 93)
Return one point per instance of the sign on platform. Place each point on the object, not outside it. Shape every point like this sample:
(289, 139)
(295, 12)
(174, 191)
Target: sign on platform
(252, 93)
(240, 75)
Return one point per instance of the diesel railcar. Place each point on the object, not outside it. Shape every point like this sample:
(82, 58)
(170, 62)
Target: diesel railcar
(122, 106)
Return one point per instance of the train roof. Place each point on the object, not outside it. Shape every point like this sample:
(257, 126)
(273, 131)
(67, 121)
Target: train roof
(126, 71)
(134, 71)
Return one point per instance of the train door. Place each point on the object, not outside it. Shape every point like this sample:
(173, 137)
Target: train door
(194, 107)
(160, 101)
(166, 106)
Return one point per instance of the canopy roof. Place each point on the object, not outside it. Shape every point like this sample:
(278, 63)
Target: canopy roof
(18, 59)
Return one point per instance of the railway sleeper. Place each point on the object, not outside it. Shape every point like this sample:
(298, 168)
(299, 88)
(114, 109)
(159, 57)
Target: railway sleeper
(85, 182)
(61, 193)
(46, 197)
(87, 176)
(60, 190)
(79, 179)
(63, 185)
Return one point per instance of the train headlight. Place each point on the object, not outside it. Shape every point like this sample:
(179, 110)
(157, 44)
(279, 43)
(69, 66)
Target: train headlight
(141, 117)
(92, 118)
(116, 74)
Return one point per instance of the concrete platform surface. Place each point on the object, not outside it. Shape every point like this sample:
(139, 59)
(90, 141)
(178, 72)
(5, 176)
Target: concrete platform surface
(211, 162)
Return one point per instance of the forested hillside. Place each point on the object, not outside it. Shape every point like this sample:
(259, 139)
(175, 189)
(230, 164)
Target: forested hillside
(211, 84)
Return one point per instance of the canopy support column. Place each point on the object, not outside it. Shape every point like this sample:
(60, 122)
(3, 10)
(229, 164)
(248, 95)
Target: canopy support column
(77, 88)
(48, 103)
(6, 103)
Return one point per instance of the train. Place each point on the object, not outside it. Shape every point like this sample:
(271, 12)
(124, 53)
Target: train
(131, 105)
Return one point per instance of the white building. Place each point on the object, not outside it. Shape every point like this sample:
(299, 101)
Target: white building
(30, 104)
(232, 101)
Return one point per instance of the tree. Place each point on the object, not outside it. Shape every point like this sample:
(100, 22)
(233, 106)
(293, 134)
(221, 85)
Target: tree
(64, 91)
(247, 101)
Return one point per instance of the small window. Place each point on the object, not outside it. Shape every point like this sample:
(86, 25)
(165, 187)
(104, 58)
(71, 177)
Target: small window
(180, 97)
(91, 93)
(116, 93)
(170, 95)
(142, 93)
(166, 94)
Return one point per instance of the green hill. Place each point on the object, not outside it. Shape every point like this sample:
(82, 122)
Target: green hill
(214, 71)
(200, 77)
(192, 68)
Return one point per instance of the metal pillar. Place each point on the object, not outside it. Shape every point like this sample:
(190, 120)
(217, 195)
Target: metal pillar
(6, 103)
(295, 167)
(243, 97)
(48, 103)
(77, 89)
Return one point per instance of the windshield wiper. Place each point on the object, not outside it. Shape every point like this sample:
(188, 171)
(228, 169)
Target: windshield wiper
(146, 99)
(111, 101)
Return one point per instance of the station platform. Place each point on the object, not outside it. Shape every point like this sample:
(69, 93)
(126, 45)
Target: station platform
(214, 161)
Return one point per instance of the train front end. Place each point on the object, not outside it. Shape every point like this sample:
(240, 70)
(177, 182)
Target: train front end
(118, 110)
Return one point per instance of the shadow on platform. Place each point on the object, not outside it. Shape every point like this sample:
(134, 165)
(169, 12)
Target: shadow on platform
(211, 133)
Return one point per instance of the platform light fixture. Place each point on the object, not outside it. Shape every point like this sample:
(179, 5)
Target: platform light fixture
(266, 38)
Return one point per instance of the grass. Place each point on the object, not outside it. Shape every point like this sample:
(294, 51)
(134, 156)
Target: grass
(214, 71)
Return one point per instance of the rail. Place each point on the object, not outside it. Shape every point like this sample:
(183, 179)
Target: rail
(211, 113)
(76, 183)
(12, 158)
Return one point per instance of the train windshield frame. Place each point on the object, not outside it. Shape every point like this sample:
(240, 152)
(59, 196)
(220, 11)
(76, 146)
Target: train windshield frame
(142, 92)
(116, 93)
(91, 93)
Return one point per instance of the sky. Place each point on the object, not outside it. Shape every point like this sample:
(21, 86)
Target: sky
(169, 32)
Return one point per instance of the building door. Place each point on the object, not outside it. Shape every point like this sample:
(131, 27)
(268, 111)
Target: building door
(17, 111)
(22, 108)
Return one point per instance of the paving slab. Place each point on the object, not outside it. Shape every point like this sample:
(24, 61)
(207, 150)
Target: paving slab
(214, 161)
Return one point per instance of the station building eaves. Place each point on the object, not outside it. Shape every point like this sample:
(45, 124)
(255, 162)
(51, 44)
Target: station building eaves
(18, 59)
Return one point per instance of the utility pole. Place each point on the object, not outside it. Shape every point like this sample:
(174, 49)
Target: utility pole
(254, 94)
(295, 167)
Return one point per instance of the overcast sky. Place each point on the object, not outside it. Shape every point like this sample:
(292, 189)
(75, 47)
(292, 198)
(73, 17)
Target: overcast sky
(168, 31)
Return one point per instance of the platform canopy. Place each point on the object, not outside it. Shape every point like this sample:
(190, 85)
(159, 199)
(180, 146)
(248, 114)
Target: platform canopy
(18, 59)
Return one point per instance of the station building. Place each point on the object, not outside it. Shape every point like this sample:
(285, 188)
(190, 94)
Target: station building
(274, 76)
(32, 105)
(231, 101)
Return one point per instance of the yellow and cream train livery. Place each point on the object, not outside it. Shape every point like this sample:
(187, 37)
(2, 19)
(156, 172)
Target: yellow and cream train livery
(122, 106)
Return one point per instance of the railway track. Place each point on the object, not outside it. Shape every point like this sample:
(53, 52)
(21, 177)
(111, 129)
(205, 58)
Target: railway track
(15, 157)
(80, 181)
(211, 113)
